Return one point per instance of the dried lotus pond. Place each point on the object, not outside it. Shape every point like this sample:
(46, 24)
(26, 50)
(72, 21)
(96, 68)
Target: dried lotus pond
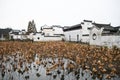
(58, 61)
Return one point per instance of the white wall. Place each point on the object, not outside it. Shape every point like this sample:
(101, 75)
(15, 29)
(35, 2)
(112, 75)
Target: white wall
(57, 30)
(85, 27)
(109, 41)
(48, 38)
(15, 37)
(42, 38)
(36, 36)
(86, 31)
(52, 31)
(2, 37)
(23, 37)
(30, 36)
(85, 39)
(97, 41)
(72, 35)
(48, 32)
(52, 39)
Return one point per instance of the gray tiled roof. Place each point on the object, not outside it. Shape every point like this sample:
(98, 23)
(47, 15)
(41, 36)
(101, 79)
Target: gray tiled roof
(74, 27)
(5, 31)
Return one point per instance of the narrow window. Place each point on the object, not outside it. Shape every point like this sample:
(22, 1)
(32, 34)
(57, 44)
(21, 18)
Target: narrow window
(69, 37)
(77, 38)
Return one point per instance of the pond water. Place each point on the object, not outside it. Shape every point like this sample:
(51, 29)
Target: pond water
(15, 67)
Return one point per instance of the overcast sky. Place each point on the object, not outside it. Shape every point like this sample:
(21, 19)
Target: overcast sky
(17, 13)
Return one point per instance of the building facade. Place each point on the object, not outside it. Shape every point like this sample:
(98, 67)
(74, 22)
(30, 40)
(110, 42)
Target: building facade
(4, 34)
(86, 25)
(17, 35)
(105, 35)
(73, 33)
(79, 32)
(49, 33)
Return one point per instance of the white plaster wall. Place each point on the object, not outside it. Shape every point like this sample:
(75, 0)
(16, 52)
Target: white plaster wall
(42, 38)
(48, 32)
(51, 36)
(16, 36)
(30, 37)
(85, 30)
(35, 37)
(73, 35)
(97, 41)
(19, 37)
(2, 37)
(23, 37)
(85, 27)
(58, 30)
(85, 39)
(52, 39)
(109, 41)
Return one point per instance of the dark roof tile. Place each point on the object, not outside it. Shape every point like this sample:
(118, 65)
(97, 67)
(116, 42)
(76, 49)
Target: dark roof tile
(74, 27)
(5, 31)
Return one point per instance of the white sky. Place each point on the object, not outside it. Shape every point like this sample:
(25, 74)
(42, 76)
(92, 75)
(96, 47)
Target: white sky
(17, 13)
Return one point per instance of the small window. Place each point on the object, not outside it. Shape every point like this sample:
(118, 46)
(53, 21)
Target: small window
(94, 36)
(38, 38)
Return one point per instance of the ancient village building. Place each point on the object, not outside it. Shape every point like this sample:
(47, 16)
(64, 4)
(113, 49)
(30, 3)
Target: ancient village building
(49, 33)
(4, 33)
(104, 35)
(79, 32)
(73, 33)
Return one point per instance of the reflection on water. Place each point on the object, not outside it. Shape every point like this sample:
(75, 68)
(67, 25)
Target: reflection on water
(15, 67)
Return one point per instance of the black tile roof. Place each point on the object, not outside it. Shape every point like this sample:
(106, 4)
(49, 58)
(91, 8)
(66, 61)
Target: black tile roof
(87, 20)
(57, 26)
(107, 29)
(111, 30)
(74, 27)
(101, 25)
(5, 31)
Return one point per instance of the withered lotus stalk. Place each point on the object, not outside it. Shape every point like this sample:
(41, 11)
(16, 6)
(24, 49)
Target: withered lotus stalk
(81, 54)
(108, 76)
(94, 70)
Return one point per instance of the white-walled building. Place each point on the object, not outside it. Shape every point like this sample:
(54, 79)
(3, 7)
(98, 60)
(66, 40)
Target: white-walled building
(18, 35)
(47, 30)
(86, 25)
(105, 35)
(4, 33)
(79, 32)
(40, 37)
(73, 33)
(93, 33)
(15, 35)
(30, 36)
(49, 33)
(86, 31)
